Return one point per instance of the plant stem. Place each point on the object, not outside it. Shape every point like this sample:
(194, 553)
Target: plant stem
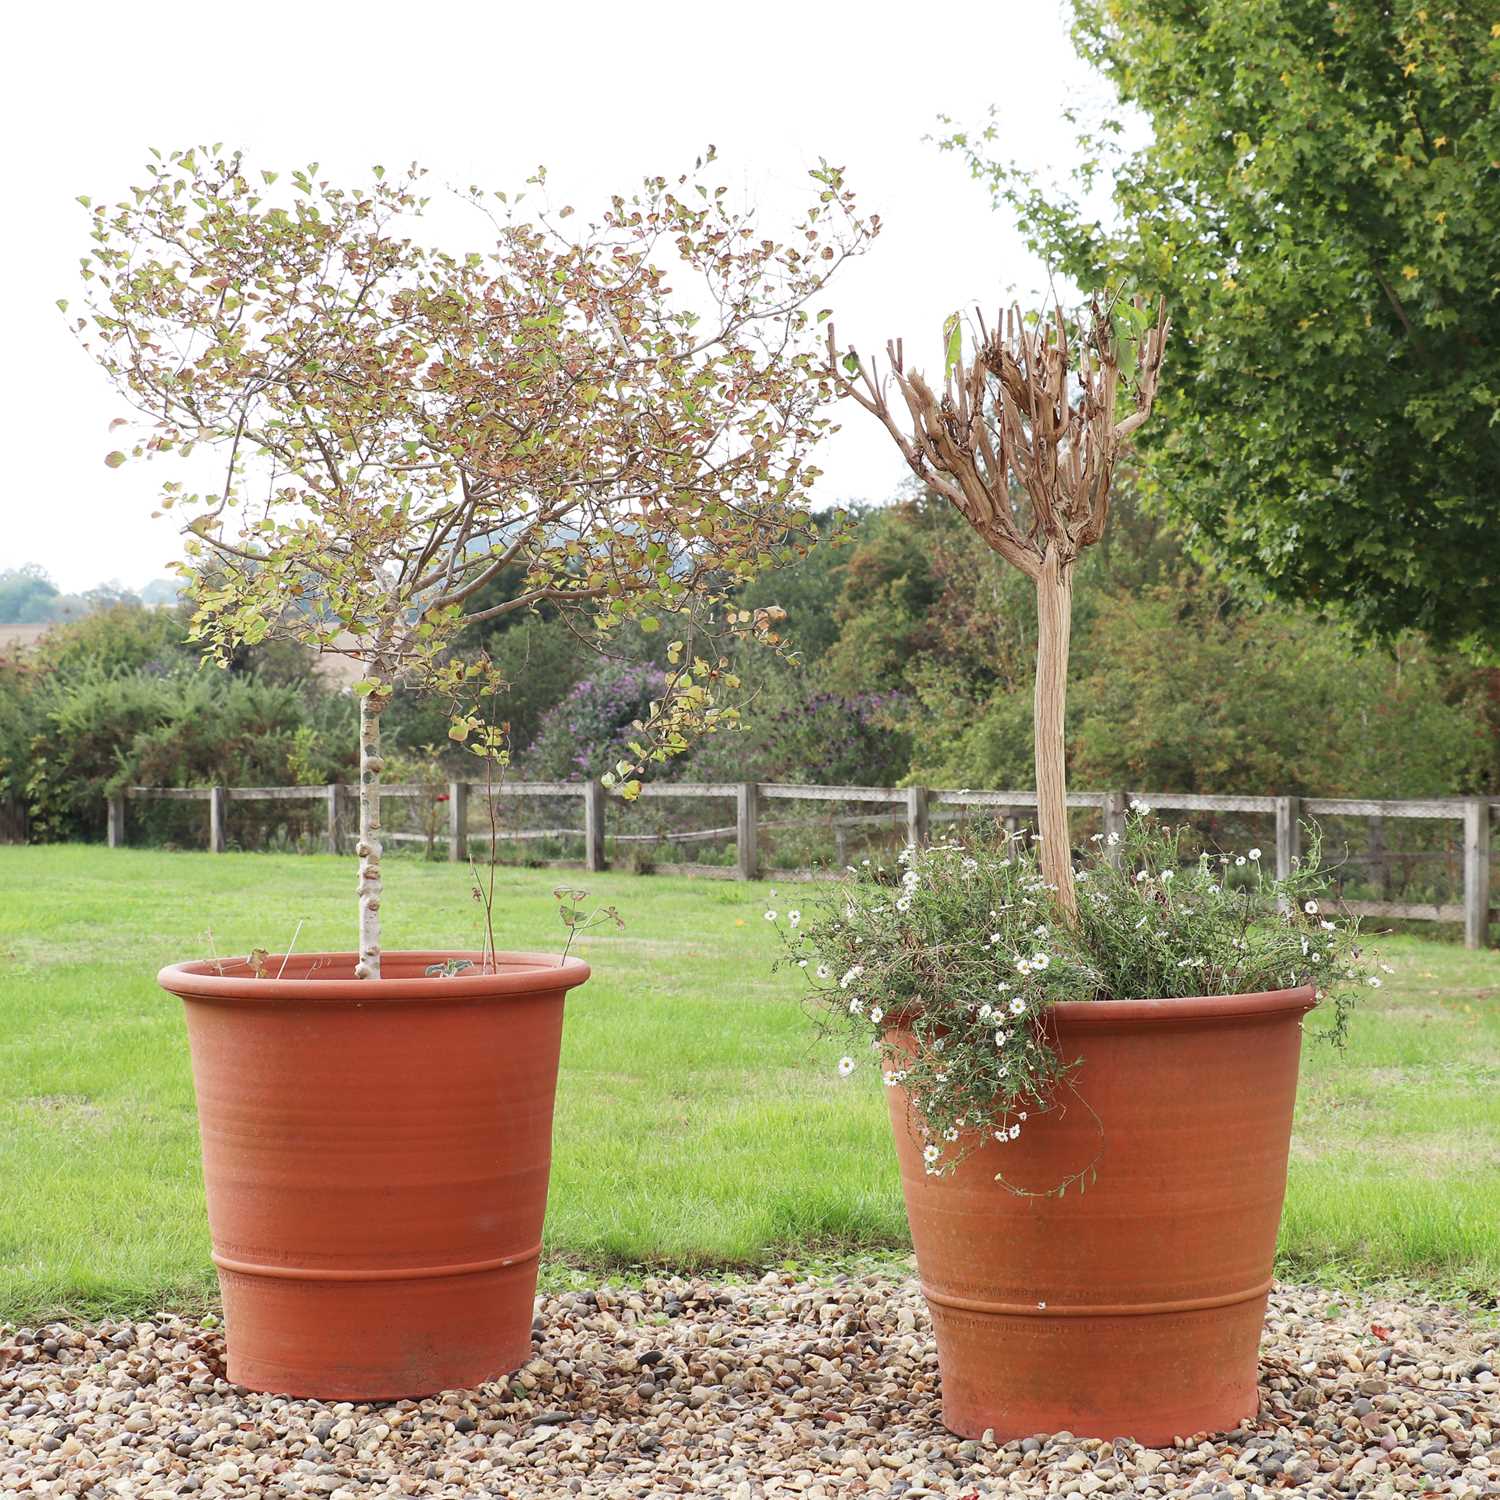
(371, 706)
(1054, 605)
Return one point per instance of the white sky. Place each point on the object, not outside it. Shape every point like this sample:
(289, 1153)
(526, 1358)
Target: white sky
(483, 92)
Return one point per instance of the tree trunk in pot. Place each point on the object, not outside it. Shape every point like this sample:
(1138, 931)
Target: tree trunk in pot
(1054, 604)
(371, 706)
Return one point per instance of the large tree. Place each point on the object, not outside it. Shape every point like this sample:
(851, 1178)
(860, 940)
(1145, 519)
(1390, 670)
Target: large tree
(404, 442)
(1319, 201)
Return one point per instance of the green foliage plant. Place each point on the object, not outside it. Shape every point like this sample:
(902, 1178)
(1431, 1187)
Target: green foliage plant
(945, 965)
(395, 427)
(1318, 199)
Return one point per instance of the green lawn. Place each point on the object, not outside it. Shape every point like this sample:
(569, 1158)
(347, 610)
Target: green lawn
(700, 1121)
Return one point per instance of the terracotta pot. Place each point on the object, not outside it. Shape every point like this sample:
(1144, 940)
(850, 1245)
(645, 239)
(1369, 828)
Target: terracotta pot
(1134, 1308)
(375, 1159)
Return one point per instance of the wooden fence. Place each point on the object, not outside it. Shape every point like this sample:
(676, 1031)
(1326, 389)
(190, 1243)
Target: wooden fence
(915, 807)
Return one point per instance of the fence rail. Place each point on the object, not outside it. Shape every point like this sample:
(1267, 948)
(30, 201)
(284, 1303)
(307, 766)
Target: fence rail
(911, 805)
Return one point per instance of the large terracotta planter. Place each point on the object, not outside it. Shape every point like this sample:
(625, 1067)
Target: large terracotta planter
(375, 1158)
(1134, 1308)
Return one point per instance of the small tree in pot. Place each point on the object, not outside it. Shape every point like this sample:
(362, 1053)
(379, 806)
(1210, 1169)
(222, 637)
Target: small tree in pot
(1094, 1188)
(1023, 442)
(390, 430)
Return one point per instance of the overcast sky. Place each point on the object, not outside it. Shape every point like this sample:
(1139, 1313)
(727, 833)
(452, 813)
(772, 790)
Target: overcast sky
(484, 92)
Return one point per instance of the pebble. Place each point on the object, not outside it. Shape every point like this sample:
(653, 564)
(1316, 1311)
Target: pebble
(778, 1388)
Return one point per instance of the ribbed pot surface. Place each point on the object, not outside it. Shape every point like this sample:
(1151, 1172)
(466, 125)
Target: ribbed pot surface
(375, 1159)
(1132, 1308)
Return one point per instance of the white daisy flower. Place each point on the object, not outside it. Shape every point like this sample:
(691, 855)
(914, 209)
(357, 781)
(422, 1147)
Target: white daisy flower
(770, 916)
(851, 976)
(822, 971)
(846, 1066)
(1373, 981)
(856, 1007)
(1040, 961)
(794, 917)
(986, 1011)
(877, 1015)
(930, 1154)
(1310, 907)
(1239, 859)
(1017, 1006)
(1255, 854)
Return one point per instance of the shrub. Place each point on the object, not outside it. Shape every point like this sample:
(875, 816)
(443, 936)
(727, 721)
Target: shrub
(947, 965)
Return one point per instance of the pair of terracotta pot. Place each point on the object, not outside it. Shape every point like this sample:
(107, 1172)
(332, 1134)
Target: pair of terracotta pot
(376, 1156)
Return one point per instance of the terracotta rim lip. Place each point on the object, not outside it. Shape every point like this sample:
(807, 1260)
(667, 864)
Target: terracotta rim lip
(1126, 1015)
(522, 973)
(1099, 1014)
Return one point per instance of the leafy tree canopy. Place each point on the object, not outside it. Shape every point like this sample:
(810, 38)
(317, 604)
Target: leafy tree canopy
(1319, 202)
(398, 427)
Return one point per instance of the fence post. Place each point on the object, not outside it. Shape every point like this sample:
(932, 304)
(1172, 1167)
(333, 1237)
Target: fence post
(1476, 872)
(1288, 835)
(916, 815)
(593, 825)
(1114, 823)
(458, 821)
(331, 796)
(1377, 864)
(216, 801)
(116, 820)
(747, 808)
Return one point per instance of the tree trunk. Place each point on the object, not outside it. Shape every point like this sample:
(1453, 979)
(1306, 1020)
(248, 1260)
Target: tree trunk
(1054, 607)
(371, 706)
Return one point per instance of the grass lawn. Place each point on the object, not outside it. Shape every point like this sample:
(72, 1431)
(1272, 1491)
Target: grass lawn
(699, 1122)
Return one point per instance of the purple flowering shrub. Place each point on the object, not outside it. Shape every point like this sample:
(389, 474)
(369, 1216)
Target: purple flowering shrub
(586, 732)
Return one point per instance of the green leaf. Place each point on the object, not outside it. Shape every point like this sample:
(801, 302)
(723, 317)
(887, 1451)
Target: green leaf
(953, 342)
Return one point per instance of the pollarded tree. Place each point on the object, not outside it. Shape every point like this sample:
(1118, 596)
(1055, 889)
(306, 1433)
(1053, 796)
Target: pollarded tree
(394, 427)
(1023, 442)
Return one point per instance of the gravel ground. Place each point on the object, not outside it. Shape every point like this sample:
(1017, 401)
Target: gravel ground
(775, 1388)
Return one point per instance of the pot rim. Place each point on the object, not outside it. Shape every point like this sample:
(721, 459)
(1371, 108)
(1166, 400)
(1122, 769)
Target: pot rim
(1103, 1015)
(1127, 1015)
(521, 973)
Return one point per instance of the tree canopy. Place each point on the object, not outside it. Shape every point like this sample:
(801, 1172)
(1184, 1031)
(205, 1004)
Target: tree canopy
(398, 427)
(1319, 203)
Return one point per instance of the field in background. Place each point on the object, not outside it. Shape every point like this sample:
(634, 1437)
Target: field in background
(699, 1122)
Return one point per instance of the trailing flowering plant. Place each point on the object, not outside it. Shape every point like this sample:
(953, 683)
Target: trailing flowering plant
(945, 966)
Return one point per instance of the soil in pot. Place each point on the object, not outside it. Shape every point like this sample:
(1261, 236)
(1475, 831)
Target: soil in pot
(1132, 1304)
(375, 1161)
